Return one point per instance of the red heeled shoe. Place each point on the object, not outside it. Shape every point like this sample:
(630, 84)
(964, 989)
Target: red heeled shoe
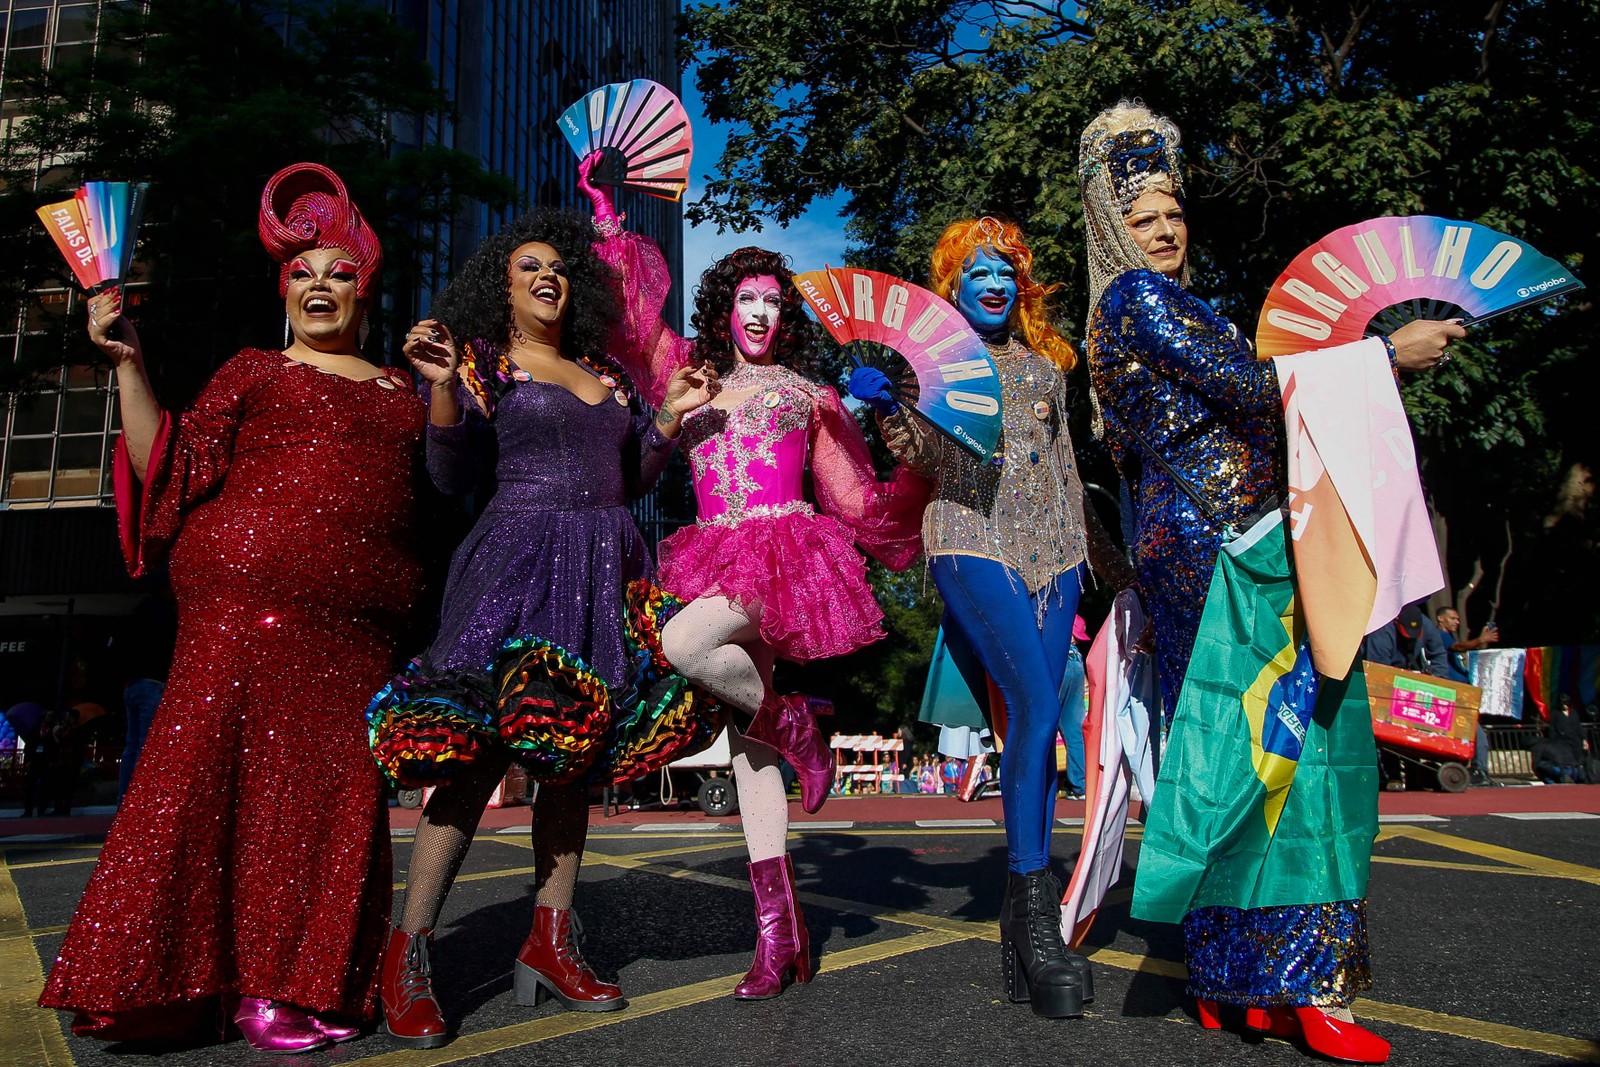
(550, 965)
(1323, 1034)
(1210, 1014)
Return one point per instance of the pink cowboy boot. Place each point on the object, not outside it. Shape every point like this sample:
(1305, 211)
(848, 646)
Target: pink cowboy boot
(783, 947)
(789, 724)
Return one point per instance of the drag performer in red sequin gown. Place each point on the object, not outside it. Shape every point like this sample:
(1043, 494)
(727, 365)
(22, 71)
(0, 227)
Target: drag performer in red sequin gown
(249, 864)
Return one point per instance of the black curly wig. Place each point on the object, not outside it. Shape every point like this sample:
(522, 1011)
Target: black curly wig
(713, 305)
(476, 305)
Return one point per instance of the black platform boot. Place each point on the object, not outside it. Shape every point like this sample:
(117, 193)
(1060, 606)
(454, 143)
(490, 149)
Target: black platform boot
(1037, 968)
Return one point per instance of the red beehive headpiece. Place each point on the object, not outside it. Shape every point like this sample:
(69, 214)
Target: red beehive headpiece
(306, 206)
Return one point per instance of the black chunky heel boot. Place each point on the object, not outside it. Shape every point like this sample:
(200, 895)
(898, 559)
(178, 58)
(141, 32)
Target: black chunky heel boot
(1034, 961)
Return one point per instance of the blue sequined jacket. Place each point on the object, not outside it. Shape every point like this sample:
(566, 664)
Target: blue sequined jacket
(1162, 359)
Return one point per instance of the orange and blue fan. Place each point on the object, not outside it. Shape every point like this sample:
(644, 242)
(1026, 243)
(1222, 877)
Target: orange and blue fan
(1374, 277)
(642, 132)
(947, 375)
(96, 230)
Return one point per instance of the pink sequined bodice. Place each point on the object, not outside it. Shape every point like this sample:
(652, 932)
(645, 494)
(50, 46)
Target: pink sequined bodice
(749, 460)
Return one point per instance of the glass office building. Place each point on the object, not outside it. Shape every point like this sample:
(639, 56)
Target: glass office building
(511, 67)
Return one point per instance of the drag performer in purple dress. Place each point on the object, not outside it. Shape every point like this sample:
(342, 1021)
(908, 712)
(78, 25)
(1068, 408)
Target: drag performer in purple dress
(766, 573)
(526, 408)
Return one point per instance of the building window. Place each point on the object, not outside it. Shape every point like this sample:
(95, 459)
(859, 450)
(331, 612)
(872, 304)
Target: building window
(58, 439)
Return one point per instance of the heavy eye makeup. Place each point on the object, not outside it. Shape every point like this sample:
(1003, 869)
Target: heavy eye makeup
(532, 265)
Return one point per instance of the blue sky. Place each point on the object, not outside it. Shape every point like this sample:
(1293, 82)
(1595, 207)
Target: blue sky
(817, 237)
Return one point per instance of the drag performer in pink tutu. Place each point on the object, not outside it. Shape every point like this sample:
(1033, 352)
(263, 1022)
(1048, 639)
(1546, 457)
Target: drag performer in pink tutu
(248, 868)
(766, 574)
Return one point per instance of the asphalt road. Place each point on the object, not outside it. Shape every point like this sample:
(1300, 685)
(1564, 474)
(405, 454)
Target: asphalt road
(1485, 932)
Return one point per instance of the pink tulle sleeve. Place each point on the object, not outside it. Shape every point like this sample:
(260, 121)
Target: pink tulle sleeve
(885, 517)
(188, 462)
(645, 345)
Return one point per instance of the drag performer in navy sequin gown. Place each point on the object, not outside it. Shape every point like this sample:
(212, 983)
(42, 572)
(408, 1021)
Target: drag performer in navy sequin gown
(1176, 382)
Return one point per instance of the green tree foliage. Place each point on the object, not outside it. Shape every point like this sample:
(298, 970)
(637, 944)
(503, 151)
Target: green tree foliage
(1298, 118)
(206, 99)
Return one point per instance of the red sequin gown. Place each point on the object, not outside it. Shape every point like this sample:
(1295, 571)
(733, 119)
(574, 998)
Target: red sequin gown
(251, 854)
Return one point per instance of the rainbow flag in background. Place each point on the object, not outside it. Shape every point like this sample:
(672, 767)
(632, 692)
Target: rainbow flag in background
(1268, 791)
(1555, 669)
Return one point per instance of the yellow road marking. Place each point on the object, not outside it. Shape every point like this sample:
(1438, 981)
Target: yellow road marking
(53, 863)
(1480, 868)
(518, 1035)
(1571, 1048)
(1500, 854)
(33, 1035)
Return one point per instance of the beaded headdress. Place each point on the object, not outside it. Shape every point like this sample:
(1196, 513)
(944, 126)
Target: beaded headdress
(1124, 152)
(306, 206)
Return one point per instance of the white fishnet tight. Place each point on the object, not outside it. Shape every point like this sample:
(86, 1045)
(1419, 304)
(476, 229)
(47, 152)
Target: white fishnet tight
(718, 647)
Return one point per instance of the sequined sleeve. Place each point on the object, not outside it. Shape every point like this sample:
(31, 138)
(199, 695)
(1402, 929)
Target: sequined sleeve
(458, 455)
(1183, 339)
(885, 517)
(646, 455)
(189, 461)
(645, 346)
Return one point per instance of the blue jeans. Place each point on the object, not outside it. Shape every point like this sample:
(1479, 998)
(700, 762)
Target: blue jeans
(139, 702)
(1073, 710)
(1026, 655)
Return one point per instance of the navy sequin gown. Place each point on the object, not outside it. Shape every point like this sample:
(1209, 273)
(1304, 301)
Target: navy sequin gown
(1165, 364)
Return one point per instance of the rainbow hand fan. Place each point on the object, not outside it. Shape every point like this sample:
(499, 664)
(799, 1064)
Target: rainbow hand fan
(1375, 276)
(957, 386)
(96, 230)
(643, 133)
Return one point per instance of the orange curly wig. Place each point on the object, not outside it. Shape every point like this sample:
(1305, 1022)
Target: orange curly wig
(1031, 315)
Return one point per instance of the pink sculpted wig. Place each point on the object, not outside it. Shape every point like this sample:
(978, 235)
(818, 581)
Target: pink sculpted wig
(306, 206)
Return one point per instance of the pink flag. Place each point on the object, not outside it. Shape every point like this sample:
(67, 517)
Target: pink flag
(1363, 543)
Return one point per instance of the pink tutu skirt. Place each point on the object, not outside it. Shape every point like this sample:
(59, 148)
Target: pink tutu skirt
(802, 571)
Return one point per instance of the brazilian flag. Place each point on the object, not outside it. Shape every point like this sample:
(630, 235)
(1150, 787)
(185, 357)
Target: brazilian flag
(1268, 794)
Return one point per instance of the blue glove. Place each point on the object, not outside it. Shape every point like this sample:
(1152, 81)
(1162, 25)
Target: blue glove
(871, 386)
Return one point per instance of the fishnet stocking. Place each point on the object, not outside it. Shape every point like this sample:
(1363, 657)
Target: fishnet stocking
(763, 800)
(560, 828)
(718, 647)
(443, 837)
(710, 642)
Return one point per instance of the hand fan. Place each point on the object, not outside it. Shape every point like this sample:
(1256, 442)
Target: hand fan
(643, 133)
(956, 388)
(1375, 276)
(96, 230)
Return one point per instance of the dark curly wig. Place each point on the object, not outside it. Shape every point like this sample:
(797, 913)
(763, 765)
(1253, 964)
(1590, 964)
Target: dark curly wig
(713, 305)
(476, 305)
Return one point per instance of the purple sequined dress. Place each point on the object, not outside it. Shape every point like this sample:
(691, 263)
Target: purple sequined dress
(553, 551)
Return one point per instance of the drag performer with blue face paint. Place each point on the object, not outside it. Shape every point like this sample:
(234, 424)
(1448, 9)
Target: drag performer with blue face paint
(1006, 544)
(1192, 416)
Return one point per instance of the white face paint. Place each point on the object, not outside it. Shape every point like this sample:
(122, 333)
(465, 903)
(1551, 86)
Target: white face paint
(757, 307)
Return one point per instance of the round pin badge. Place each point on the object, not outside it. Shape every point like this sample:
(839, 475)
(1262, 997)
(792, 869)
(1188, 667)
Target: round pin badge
(1041, 409)
(771, 399)
(521, 375)
(620, 397)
